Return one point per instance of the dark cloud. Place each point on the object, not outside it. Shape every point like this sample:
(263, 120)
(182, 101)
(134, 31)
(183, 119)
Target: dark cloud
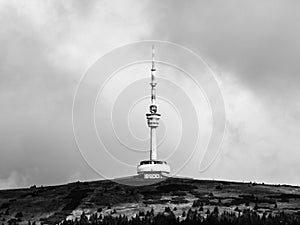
(256, 41)
(45, 47)
(81, 7)
(36, 99)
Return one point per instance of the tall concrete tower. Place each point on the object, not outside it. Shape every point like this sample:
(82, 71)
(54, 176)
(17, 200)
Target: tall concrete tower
(153, 168)
(153, 117)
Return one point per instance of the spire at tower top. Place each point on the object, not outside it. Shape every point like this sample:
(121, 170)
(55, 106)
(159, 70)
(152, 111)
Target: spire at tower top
(153, 55)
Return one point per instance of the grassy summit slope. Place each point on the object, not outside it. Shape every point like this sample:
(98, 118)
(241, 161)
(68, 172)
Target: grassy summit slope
(54, 203)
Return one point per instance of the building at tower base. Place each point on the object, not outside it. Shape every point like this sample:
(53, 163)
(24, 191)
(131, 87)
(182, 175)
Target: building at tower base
(153, 169)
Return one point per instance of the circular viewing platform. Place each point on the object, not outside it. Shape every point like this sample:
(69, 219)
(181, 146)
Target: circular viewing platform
(153, 119)
(153, 169)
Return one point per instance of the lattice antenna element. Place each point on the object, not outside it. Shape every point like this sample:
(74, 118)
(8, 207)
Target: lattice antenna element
(153, 84)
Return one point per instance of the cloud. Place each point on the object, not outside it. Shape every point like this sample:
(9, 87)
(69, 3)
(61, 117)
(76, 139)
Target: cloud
(256, 41)
(45, 47)
(12, 181)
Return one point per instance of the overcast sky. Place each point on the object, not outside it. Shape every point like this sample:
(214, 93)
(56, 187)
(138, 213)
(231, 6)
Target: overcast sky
(46, 46)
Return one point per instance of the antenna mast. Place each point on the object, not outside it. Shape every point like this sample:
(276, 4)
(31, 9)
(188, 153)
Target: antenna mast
(153, 84)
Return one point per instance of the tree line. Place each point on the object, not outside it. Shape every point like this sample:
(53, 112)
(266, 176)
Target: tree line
(191, 217)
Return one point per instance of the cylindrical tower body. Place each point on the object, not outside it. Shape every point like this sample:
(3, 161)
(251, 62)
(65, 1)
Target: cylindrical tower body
(153, 122)
(153, 150)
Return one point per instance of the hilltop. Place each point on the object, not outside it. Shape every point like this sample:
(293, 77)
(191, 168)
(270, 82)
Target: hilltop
(52, 204)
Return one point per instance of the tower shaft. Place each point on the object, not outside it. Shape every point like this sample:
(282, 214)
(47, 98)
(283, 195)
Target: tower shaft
(153, 148)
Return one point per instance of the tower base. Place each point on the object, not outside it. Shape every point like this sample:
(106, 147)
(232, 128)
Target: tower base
(153, 169)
